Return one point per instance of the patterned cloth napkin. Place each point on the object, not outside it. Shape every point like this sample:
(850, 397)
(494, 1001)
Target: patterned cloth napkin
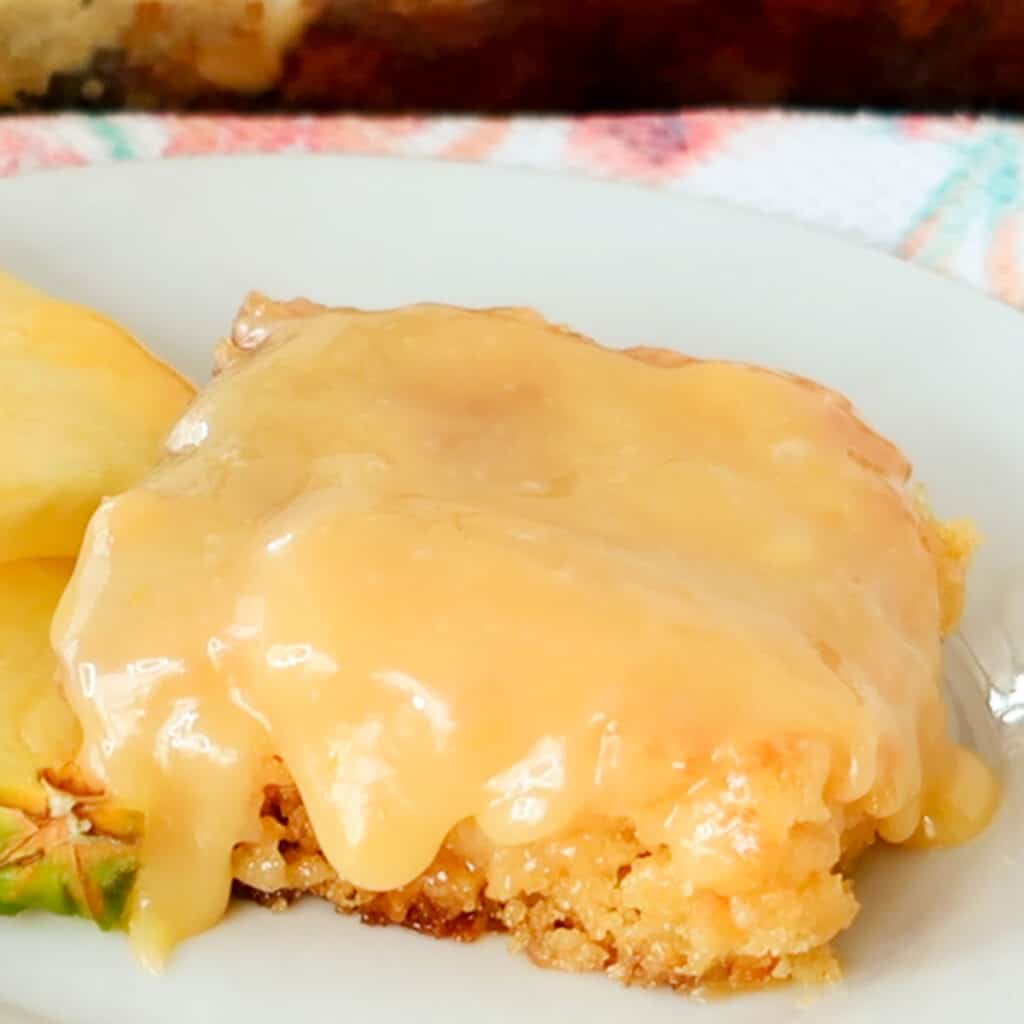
(944, 192)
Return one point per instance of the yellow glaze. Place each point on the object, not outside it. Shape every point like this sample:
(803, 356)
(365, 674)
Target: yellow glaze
(460, 565)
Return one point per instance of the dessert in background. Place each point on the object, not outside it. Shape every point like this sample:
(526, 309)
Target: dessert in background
(509, 55)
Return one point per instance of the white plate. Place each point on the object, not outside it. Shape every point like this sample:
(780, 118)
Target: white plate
(170, 248)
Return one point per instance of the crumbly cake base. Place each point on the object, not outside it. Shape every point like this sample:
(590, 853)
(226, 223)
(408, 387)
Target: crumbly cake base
(596, 900)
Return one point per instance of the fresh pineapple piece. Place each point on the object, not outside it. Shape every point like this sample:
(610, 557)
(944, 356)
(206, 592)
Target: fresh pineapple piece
(86, 410)
(37, 728)
(58, 864)
(62, 847)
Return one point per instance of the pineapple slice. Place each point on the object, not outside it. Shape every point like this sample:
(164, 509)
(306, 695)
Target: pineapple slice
(64, 864)
(86, 410)
(62, 848)
(37, 728)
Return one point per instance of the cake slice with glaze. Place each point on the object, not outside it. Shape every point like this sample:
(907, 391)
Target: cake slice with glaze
(462, 621)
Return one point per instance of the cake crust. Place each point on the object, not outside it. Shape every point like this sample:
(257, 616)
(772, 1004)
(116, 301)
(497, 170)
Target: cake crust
(574, 914)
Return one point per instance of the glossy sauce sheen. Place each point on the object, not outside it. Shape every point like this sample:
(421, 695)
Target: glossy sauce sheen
(454, 565)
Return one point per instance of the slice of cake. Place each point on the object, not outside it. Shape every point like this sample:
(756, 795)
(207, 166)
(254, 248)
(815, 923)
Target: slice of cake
(462, 621)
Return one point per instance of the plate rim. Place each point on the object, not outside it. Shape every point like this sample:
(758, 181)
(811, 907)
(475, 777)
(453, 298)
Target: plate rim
(226, 162)
(744, 218)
